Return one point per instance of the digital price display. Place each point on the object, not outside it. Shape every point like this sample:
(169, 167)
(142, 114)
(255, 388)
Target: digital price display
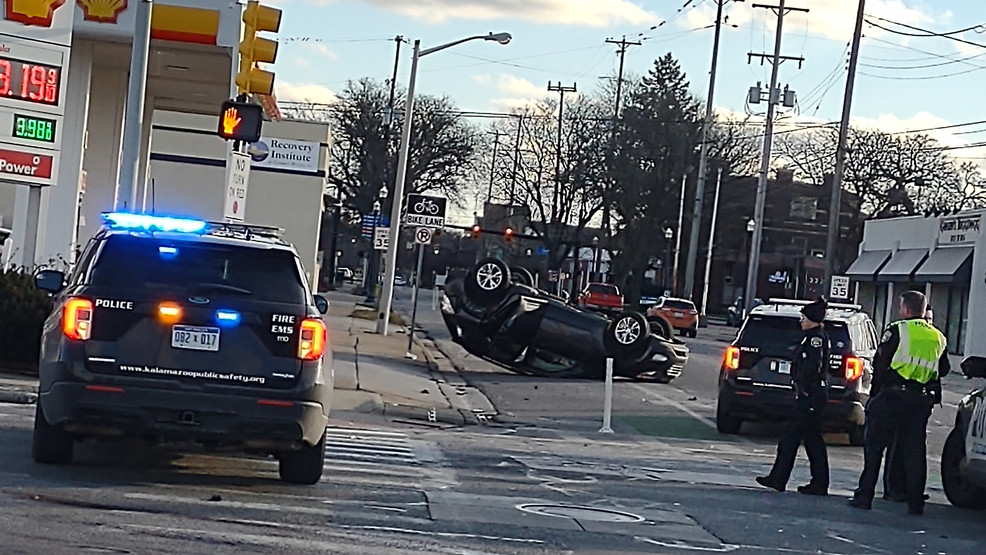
(31, 82)
(34, 128)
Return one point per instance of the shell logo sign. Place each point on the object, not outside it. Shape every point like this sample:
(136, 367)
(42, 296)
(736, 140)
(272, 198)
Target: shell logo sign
(102, 11)
(32, 12)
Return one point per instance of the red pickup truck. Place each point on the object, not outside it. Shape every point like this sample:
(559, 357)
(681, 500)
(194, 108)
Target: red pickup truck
(602, 297)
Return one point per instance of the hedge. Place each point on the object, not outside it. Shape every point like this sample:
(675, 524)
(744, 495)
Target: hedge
(23, 309)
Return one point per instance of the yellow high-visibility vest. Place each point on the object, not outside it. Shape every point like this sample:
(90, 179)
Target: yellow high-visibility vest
(921, 346)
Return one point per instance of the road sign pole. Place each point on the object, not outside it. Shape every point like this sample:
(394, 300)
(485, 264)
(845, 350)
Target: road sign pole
(126, 193)
(414, 302)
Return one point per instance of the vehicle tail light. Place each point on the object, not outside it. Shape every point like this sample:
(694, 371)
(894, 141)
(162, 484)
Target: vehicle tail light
(169, 313)
(312, 343)
(854, 368)
(77, 319)
(732, 358)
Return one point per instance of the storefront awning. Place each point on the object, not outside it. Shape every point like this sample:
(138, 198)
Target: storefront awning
(865, 267)
(902, 264)
(947, 265)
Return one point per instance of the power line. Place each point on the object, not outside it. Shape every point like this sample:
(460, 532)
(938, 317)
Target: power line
(929, 33)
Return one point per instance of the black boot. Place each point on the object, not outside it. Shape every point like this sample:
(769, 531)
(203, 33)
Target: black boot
(769, 482)
(813, 489)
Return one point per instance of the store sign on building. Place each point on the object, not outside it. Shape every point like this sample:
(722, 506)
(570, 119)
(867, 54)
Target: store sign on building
(959, 230)
(40, 13)
(102, 11)
(285, 154)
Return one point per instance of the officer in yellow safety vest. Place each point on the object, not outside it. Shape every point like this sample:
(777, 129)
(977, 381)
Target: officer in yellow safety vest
(908, 363)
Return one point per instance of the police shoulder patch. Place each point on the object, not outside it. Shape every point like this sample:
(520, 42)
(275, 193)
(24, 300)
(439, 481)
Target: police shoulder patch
(816, 342)
(886, 336)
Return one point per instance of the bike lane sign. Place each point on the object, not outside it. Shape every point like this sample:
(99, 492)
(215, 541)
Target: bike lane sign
(425, 211)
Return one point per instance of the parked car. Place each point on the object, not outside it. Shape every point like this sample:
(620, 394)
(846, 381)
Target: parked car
(495, 314)
(603, 297)
(755, 376)
(734, 312)
(183, 330)
(963, 459)
(680, 313)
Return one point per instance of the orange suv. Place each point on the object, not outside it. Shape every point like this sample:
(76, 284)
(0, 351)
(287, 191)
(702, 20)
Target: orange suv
(680, 313)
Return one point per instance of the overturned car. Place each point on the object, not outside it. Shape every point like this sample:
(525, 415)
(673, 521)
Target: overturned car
(497, 314)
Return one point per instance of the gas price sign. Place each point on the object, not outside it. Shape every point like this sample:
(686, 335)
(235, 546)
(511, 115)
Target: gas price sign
(34, 128)
(30, 82)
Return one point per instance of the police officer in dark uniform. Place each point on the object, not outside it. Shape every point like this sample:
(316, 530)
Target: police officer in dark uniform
(808, 371)
(907, 369)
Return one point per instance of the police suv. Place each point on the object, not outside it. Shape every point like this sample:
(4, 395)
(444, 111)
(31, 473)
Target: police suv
(172, 329)
(755, 378)
(963, 459)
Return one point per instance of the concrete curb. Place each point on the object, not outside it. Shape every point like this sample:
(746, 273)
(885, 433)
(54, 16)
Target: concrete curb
(471, 403)
(18, 397)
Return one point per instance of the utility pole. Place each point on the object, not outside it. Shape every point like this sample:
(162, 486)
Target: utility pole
(677, 240)
(703, 165)
(561, 90)
(772, 98)
(708, 252)
(496, 143)
(621, 51)
(513, 174)
(126, 192)
(835, 207)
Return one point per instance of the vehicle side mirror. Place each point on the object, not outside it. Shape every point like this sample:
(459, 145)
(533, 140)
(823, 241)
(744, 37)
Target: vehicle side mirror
(322, 304)
(974, 367)
(51, 281)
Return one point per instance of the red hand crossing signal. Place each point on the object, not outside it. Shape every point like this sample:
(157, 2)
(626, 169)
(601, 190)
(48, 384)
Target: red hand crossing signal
(240, 121)
(508, 234)
(476, 231)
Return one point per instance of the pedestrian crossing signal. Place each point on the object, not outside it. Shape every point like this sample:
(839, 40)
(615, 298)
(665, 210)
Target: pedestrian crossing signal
(240, 121)
(475, 231)
(508, 235)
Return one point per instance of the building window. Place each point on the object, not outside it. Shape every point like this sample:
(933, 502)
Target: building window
(956, 319)
(804, 208)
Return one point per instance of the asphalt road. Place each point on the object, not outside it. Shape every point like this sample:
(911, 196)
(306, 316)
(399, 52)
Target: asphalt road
(541, 480)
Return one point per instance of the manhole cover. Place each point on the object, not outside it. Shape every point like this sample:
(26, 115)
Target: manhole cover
(580, 513)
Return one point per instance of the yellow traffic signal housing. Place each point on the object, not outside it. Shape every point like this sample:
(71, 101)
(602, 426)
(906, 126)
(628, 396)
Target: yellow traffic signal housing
(253, 49)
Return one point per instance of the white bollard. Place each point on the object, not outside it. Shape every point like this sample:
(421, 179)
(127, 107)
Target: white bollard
(608, 402)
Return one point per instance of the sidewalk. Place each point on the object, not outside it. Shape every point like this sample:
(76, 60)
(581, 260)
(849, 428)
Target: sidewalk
(374, 378)
(373, 374)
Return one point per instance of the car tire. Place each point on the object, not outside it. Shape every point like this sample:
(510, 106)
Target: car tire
(726, 423)
(488, 281)
(660, 326)
(857, 436)
(627, 333)
(303, 466)
(957, 488)
(51, 444)
(522, 276)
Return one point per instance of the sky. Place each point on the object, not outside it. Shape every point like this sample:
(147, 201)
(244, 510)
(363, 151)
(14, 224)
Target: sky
(903, 82)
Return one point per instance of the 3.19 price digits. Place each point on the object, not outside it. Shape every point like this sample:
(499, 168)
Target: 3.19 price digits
(31, 82)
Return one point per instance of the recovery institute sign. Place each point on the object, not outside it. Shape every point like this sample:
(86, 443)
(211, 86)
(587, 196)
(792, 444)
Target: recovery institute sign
(285, 154)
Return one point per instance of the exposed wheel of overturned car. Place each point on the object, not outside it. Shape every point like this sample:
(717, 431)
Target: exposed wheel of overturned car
(628, 333)
(488, 281)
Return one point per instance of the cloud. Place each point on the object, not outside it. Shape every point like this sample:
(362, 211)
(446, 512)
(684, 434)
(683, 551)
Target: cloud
(306, 92)
(320, 49)
(828, 18)
(301, 62)
(485, 79)
(518, 93)
(591, 13)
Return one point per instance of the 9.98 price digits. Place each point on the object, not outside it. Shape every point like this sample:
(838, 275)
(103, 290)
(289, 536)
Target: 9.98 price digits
(31, 82)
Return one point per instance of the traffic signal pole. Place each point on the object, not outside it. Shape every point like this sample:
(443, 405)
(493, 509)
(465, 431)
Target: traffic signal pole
(126, 196)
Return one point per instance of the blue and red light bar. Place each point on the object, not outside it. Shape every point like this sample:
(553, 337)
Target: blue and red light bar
(147, 222)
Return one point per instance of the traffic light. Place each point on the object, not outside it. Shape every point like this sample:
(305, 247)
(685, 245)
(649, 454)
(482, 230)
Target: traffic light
(475, 231)
(508, 234)
(254, 49)
(240, 121)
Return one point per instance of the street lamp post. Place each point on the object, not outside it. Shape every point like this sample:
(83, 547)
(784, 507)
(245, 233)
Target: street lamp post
(383, 315)
(751, 225)
(370, 281)
(668, 234)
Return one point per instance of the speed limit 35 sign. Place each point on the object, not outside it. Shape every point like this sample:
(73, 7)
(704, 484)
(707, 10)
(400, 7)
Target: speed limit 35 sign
(840, 287)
